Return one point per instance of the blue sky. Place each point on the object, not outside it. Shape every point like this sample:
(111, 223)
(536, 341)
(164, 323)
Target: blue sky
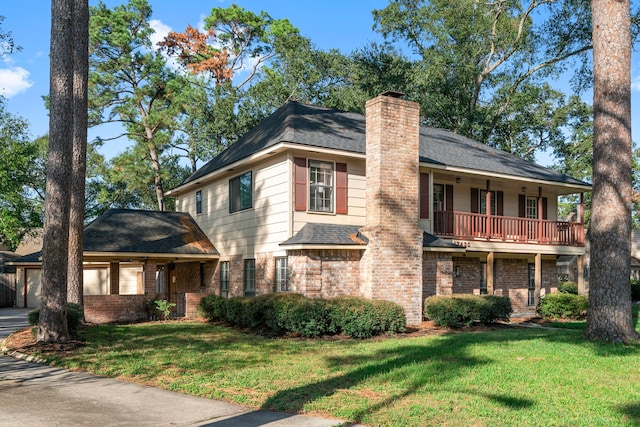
(345, 25)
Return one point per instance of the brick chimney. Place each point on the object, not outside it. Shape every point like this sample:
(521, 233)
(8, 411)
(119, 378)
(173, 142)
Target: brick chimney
(391, 267)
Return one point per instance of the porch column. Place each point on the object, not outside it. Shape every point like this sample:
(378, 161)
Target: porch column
(488, 210)
(490, 264)
(581, 219)
(540, 239)
(581, 290)
(114, 278)
(538, 278)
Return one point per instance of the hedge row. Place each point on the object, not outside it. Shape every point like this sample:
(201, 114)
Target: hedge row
(282, 313)
(560, 305)
(464, 310)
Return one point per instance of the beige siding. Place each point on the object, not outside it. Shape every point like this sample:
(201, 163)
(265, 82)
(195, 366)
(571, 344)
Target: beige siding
(251, 231)
(131, 280)
(357, 189)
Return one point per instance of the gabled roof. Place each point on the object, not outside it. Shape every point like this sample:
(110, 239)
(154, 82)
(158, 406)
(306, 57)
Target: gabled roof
(128, 231)
(320, 127)
(314, 234)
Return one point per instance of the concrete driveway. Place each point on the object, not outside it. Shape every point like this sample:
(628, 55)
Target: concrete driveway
(32, 394)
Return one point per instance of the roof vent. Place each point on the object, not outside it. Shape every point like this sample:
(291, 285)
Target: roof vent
(393, 94)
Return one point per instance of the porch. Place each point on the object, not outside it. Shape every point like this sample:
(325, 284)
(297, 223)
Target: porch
(472, 226)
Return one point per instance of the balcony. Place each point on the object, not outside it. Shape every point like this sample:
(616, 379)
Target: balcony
(471, 226)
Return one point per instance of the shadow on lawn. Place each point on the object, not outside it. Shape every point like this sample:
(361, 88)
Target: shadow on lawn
(427, 364)
(632, 411)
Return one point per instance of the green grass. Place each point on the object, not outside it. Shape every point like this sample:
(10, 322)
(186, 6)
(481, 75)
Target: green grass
(501, 377)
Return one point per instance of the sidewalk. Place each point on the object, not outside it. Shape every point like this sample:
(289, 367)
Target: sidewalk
(35, 394)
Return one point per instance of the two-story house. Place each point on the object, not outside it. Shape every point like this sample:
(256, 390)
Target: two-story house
(327, 203)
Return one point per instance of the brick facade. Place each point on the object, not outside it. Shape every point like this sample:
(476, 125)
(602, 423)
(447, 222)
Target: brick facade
(392, 262)
(115, 308)
(325, 273)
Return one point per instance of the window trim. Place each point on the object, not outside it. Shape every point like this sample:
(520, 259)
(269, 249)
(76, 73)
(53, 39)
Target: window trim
(232, 198)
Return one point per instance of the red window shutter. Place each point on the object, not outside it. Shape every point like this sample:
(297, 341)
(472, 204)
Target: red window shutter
(300, 183)
(449, 197)
(522, 200)
(544, 208)
(500, 203)
(341, 188)
(475, 201)
(424, 195)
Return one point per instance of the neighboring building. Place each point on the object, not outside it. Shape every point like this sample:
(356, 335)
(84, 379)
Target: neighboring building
(328, 203)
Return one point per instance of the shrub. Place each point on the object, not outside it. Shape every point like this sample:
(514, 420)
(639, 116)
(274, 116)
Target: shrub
(493, 308)
(564, 306)
(463, 310)
(363, 318)
(214, 308)
(280, 313)
(75, 315)
(164, 307)
(635, 289)
(568, 288)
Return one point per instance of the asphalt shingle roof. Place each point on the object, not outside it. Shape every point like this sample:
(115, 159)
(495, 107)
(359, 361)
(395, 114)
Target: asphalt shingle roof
(139, 231)
(129, 230)
(334, 234)
(327, 234)
(333, 129)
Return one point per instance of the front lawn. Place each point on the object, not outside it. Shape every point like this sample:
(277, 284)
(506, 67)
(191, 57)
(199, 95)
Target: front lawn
(499, 377)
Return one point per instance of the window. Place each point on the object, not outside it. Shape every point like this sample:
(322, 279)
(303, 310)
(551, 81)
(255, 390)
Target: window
(240, 192)
(483, 279)
(202, 275)
(199, 202)
(531, 300)
(483, 202)
(320, 186)
(438, 197)
(532, 208)
(224, 279)
(249, 277)
(282, 275)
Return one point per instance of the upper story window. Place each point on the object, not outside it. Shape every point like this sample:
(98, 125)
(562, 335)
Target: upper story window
(438, 197)
(532, 208)
(241, 192)
(483, 202)
(320, 186)
(199, 202)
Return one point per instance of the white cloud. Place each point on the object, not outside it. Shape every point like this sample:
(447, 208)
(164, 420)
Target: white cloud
(14, 81)
(635, 84)
(161, 31)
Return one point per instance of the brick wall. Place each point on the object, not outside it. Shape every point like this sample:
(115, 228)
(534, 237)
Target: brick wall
(392, 263)
(325, 273)
(115, 308)
(236, 276)
(437, 273)
(470, 275)
(512, 280)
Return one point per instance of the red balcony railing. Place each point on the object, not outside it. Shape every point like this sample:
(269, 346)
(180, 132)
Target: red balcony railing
(470, 226)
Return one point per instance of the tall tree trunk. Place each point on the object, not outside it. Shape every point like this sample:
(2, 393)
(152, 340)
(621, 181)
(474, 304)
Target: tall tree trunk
(78, 171)
(53, 296)
(609, 316)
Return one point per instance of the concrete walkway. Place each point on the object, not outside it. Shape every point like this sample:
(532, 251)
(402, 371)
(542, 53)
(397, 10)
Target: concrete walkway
(33, 394)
